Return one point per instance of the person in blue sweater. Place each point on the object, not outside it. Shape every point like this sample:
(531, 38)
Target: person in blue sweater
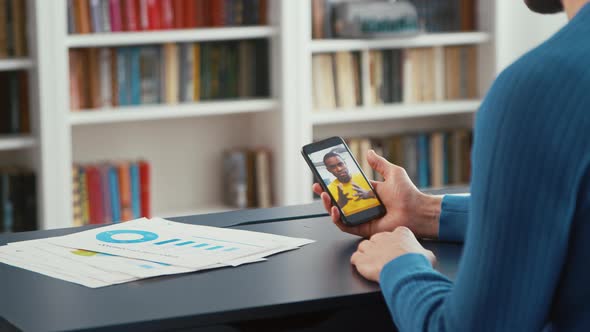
(525, 226)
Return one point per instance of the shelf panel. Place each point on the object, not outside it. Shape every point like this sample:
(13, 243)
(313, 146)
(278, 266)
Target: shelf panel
(392, 111)
(169, 36)
(15, 64)
(15, 142)
(170, 111)
(424, 40)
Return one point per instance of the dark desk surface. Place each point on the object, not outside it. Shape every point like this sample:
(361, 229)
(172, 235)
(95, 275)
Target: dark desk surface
(315, 277)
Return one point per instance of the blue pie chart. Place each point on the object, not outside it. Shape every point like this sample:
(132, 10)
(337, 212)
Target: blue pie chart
(108, 236)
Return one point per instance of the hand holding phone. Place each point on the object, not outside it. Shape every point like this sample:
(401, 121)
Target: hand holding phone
(340, 176)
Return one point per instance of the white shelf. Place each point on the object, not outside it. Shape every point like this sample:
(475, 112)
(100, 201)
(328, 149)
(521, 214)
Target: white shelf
(168, 36)
(213, 208)
(15, 64)
(392, 111)
(424, 40)
(169, 111)
(15, 142)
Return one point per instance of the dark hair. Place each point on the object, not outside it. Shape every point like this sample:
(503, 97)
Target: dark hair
(330, 155)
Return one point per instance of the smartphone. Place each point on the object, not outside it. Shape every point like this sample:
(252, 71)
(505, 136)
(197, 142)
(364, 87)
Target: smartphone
(340, 176)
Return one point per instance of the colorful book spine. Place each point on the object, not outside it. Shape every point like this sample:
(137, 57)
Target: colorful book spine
(125, 190)
(423, 161)
(135, 75)
(144, 186)
(106, 193)
(115, 194)
(82, 179)
(115, 15)
(135, 190)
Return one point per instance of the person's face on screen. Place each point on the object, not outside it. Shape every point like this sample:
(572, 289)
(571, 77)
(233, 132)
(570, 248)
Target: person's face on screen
(544, 6)
(338, 168)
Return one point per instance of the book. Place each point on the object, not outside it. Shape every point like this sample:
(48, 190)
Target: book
(149, 69)
(115, 193)
(105, 191)
(125, 191)
(263, 178)
(171, 72)
(135, 190)
(95, 197)
(116, 18)
(144, 185)
(3, 30)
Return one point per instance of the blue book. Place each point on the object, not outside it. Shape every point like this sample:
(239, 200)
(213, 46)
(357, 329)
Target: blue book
(134, 75)
(115, 194)
(135, 190)
(423, 161)
(122, 78)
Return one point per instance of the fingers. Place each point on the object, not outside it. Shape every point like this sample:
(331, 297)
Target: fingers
(327, 201)
(317, 189)
(378, 163)
(354, 259)
(375, 184)
(365, 245)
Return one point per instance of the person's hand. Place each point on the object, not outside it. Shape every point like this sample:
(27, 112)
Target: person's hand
(405, 204)
(342, 198)
(372, 255)
(362, 193)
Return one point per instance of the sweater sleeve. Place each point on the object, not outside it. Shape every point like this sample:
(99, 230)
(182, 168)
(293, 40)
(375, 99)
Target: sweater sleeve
(523, 196)
(453, 218)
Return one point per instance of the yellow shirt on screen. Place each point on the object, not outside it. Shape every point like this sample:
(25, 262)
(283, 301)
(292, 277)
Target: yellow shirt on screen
(353, 206)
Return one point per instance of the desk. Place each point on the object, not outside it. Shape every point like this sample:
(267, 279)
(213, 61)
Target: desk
(317, 278)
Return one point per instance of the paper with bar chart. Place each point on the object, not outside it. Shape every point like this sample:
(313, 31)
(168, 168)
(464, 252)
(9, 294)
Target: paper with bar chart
(142, 248)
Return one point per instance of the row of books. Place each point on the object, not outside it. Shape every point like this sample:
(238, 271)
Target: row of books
(104, 16)
(18, 200)
(395, 76)
(13, 28)
(14, 102)
(111, 192)
(433, 16)
(247, 178)
(431, 159)
(447, 15)
(169, 73)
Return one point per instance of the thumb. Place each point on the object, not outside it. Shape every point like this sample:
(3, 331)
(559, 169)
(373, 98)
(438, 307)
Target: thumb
(378, 163)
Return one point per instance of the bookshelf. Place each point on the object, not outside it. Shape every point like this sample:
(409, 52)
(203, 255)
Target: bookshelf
(160, 112)
(184, 141)
(423, 40)
(393, 112)
(169, 36)
(16, 142)
(15, 64)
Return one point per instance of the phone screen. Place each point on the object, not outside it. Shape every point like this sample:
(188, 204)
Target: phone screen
(343, 178)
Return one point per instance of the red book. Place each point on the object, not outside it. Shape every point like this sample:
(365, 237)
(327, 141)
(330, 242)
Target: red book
(95, 198)
(190, 13)
(144, 21)
(132, 15)
(202, 12)
(116, 19)
(154, 17)
(177, 8)
(144, 185)
(216, 12)
(167, 14)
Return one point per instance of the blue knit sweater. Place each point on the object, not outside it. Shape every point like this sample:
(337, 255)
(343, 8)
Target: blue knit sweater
(526, 259)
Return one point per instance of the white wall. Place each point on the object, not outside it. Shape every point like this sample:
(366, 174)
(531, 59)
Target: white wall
(519, 30)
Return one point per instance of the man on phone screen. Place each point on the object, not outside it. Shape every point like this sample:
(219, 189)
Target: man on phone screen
(351, 191)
